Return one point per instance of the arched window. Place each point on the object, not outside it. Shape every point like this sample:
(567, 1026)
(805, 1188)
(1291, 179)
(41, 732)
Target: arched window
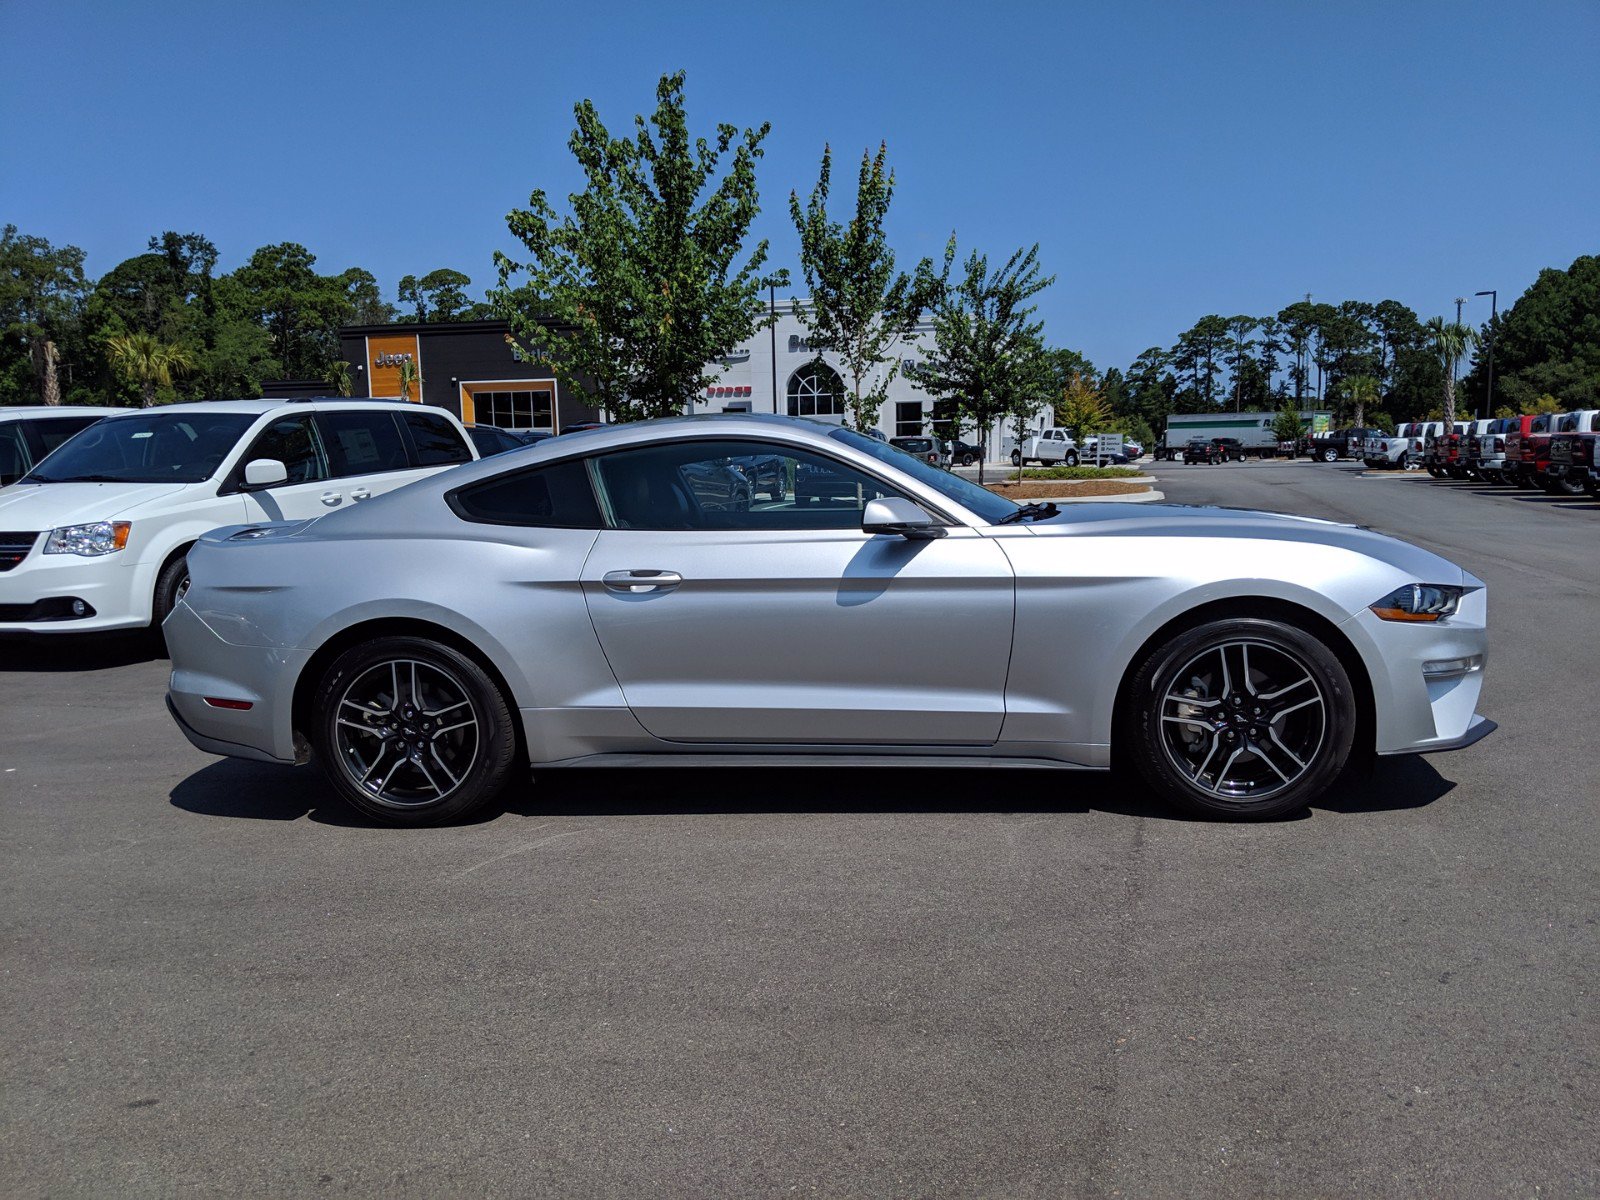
(816, 390)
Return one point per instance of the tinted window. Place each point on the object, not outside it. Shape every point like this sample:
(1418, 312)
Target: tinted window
(490, 440)
(13, 454)
(735, 485)
(435, 440)
(292, 442)
(183, 447)
(362, 443)
(50, 433)
(557, 495)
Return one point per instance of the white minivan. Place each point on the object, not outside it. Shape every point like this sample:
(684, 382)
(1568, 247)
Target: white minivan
(95, 536)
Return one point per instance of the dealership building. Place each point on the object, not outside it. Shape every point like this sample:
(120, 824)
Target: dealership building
(477, 370)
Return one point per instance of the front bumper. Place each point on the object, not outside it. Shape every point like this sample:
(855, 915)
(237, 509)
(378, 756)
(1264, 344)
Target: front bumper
(204, 665)
(1417, 712)
(37, 595)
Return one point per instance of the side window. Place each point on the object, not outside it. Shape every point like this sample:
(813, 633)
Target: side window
(362, 443)
(434, 441)
(558, 496)
(293, 442)
(13, 453)
(732, 485)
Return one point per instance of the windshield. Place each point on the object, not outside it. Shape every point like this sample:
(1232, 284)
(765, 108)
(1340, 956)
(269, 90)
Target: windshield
(984, 503)
(149, 448)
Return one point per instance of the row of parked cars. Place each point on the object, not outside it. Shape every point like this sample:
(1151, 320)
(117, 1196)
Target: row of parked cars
(1552, 451)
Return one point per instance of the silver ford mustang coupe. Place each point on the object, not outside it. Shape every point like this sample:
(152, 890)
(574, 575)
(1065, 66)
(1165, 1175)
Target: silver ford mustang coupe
(760, 590)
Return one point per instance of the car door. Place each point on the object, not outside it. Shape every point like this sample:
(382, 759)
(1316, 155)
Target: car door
(307, 492)
(781, 622)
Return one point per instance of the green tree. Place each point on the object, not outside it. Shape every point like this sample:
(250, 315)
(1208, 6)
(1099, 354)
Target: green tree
(1360, 391)
(1547, 342)
(410, 379)
(1080, 409)
(146, 362)
(338, 378)
(640, 285)
(1198, 354)
(1241, 362)
(42, 292)
(438, 296)
(1449, 340)
(1286, 423)
(300, 309)
(987, 355)
(861, 307)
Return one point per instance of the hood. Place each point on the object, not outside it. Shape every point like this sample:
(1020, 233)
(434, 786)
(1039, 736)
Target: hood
(1241, 524)
(39, 506)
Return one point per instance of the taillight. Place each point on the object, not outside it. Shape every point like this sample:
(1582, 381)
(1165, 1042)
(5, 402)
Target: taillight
(1499, 445)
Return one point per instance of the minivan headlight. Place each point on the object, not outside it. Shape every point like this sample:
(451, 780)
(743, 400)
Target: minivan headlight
(1420, 602)
(91, 541)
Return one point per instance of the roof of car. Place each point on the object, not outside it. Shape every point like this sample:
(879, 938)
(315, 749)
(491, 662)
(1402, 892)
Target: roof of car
(259, 407)
(58, 410)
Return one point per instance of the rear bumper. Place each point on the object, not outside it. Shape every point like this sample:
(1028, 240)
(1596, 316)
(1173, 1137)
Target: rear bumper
(203, 665)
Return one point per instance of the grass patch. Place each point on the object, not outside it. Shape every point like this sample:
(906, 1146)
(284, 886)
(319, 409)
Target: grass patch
(1082, 473)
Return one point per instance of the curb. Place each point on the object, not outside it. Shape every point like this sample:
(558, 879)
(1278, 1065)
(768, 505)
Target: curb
(1125, 498)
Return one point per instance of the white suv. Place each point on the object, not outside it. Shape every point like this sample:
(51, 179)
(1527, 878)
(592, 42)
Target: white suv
(95, 537)
(29, 433)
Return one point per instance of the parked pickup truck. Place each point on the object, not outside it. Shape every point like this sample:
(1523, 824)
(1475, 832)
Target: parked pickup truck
(1049, 448)
(1570, 469)
(1486, 451)
(1336, 443)
(1457, 458)
(1394, 450)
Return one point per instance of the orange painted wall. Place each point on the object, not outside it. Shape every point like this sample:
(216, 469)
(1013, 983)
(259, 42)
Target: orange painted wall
(385, 380)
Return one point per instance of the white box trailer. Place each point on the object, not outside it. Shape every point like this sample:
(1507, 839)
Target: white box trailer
(1253, 430)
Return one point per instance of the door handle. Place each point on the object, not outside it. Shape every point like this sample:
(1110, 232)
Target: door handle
(640, 582)
(332, 498)
(360, 494)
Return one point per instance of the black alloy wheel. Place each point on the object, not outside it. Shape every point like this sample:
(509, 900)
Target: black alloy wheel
(412, 732)
(1243, 718)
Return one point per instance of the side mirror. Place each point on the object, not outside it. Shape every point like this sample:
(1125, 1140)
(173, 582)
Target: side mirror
(264, 472)
(896, 514)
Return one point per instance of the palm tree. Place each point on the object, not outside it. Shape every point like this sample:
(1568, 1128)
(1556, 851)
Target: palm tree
(1450, 340)
(1361, 390)
(338, 377)
(145, 360)
(408, 377)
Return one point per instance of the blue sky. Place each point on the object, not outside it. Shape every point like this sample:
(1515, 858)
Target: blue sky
(1171, 159)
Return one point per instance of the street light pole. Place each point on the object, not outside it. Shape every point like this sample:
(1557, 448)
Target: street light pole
(1494, 310)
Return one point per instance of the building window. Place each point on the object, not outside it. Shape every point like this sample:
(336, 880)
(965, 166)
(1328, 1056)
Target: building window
(908, 418)
(513, 410)
(816, 390)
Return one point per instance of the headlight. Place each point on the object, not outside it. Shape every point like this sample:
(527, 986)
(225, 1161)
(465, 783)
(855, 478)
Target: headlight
(1420, 602)
(101, 537)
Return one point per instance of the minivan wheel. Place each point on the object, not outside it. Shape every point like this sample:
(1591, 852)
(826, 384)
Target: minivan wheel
(412, 732)
(1242, 718)
(171, 586)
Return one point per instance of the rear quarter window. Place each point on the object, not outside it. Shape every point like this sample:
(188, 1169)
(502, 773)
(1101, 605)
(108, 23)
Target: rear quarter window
(557, 496)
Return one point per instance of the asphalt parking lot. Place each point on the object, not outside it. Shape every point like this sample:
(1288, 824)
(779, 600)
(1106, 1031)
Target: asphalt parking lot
(872, 982)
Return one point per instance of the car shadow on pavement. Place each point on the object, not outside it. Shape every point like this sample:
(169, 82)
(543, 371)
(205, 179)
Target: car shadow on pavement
(64, 652)
(267, 792)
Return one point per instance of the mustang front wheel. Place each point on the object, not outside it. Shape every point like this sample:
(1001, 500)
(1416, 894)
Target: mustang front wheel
(412, 732)
(1244, 718)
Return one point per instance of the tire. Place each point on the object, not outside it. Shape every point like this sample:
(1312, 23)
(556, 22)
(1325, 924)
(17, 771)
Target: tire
(479, 757)
(966, 460)
(171, 584)
(1330, 455)
(1179, 763)
(1071, 460)
(1562, 486)
(1407, 463)
(1016, 459)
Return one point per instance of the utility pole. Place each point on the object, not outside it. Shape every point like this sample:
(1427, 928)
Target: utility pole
(772, 311)
(1494, 311)
(1455, 367)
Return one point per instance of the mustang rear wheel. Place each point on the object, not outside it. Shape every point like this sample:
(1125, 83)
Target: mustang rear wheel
(1243, 718)
(412, 732)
